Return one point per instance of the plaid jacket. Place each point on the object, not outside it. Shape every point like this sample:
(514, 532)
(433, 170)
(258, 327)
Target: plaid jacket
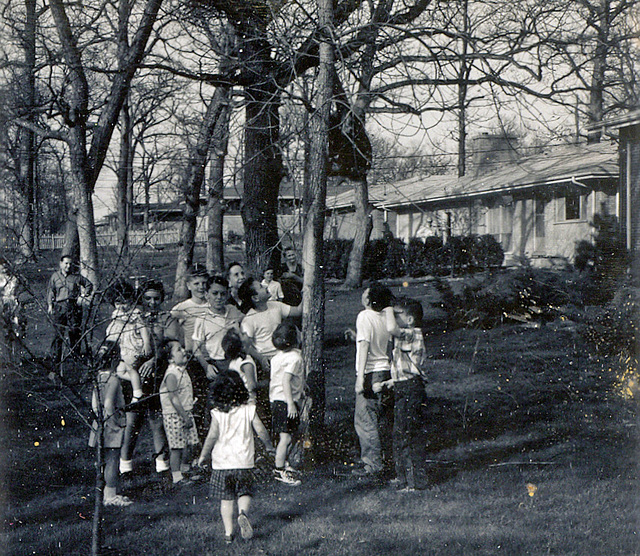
(408, 355)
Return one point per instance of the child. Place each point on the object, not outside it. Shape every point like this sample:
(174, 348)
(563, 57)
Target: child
(286, 389)
(407, 368)
(374, 410)
(273, 286)
(239, 361)
(230, 446)
(262, 319)
(176, 398)
(108, 403)
(132, 334)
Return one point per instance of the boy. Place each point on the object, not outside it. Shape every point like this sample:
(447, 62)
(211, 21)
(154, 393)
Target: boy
(407, 380)
(262, 319)
(374, 410)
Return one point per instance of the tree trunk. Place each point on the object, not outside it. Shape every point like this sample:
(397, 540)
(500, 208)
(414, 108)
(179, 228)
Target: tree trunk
(197, 165)
(124, 163)
(28, 230)
(363, 227)
(313, 298)
(215, 201)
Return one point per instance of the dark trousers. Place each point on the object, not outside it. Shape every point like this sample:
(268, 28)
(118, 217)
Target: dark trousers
(409, 438)
(67, 322)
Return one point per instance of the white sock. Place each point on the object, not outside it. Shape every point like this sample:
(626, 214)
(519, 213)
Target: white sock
(109, 492)
(177, 476)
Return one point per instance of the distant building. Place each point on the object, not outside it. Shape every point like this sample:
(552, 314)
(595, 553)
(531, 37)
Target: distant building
(537, 206)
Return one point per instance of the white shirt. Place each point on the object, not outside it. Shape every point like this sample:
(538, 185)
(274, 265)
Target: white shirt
(371, 326)
(211, 328)
(237, 363)
(260, 325)
(275, 289)
(187, 312)
(234, 448)
(286, 362)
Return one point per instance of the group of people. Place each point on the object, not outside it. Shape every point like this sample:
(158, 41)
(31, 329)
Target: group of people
(211, 371)
(205, 375)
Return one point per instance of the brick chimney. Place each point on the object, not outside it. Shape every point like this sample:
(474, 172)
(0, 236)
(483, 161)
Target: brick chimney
(490, 150)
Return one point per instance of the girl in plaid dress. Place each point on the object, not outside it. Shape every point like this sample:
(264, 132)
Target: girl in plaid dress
(230, 446)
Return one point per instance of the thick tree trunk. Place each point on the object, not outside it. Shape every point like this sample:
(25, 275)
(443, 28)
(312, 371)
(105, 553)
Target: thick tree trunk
(263, 172)
(193, 187)
(313, 298)
(363, 226)
(28, 230)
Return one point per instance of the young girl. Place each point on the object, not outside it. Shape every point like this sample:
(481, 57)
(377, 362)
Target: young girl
(107, 402)
(132, 334)
(176, 398)
(286, 389)
(239, 361)
(230, 446)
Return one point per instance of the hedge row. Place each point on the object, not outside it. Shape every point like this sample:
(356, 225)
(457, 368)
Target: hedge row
(391, 257)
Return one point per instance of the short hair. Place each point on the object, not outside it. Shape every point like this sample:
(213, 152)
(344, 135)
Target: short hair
(155, 285)
(412, 307)
(285, 336)
(197, 272)
(67, 256)
(228, 391)
(121, 291)
(246, 291)
(219, 280)
(232, 264)
(232, 345)
(379, 297)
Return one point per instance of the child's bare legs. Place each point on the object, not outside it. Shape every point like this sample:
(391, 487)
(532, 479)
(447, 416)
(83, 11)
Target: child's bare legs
(111, 461)
(282, 450)
(226, 511)
(159, 439)
(176, 458)
(125, 371)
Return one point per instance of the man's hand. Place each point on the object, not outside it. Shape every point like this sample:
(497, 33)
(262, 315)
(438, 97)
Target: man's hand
(146, 368)
(350, 335)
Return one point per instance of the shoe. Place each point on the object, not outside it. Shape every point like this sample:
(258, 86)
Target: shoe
(245, 526)
(228, 539)
(184, 482)
(285, 477)
(126, 466)
(118, 500)
(407, 489)
(162, 465)
(364, 472)
(289, 468)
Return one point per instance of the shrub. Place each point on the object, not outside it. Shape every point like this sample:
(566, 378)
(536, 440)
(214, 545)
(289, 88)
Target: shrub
(603, 262)
(336, 256)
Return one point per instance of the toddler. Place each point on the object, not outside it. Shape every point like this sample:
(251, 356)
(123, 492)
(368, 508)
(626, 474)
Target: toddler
(176, 398)
(239, 361)
(230, 446)
(286, 389)
(128, 328)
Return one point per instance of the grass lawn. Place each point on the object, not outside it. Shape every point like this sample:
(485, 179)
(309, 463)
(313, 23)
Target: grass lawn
(532, 451)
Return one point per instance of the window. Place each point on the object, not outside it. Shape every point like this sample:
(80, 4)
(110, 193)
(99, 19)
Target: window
(572, 207)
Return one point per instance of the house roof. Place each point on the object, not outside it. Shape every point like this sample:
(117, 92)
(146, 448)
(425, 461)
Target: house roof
(629, 118)
(555, 166)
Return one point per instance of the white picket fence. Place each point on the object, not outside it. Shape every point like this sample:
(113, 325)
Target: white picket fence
(155, 238)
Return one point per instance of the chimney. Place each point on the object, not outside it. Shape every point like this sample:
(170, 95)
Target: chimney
(490, 150)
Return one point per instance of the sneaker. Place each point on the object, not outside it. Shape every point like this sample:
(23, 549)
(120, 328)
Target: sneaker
(162, 465)
(118, 500)
(289, 468)
(285, 477)
(126, 466)
(184, 482)
(228, 539)
(245, 526)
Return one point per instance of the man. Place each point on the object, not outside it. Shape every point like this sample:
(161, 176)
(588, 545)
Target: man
(64, 293)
